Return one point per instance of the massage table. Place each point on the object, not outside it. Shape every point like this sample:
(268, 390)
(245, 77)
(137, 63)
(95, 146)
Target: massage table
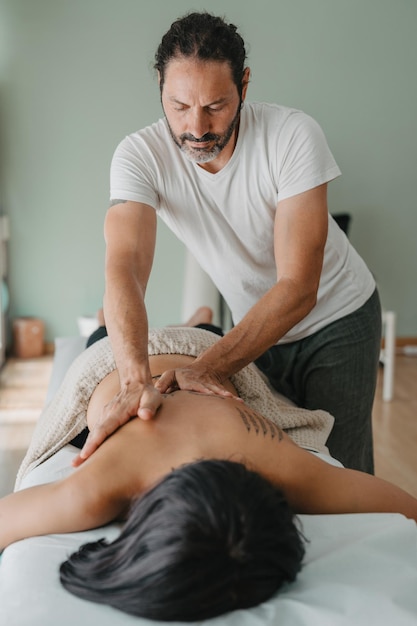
(359, 569)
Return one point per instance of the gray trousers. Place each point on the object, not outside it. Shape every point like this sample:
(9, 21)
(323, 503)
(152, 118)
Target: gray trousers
(335, 369)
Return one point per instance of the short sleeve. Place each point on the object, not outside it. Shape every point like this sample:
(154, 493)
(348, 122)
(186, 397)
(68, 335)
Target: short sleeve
(131, 177)
(305, 160)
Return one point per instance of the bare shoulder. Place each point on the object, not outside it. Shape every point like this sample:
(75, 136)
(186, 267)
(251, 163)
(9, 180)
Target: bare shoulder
(271, 452)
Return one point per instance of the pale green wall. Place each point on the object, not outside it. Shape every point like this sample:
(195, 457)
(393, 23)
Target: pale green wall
(76, 76)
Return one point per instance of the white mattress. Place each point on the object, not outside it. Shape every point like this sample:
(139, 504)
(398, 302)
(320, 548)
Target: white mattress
(359, 570)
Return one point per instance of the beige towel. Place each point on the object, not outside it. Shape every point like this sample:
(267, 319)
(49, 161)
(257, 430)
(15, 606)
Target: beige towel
(65, 416)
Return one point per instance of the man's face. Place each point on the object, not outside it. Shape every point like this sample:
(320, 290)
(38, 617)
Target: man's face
(202, 106)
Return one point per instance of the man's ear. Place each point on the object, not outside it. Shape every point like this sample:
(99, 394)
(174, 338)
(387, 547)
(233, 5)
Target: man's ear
(245, 82)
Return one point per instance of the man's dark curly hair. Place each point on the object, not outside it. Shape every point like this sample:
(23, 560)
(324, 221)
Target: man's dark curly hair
(211, 537)
(205, 37)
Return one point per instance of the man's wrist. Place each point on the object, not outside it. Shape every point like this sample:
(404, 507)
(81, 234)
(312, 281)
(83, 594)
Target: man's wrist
(134, 373)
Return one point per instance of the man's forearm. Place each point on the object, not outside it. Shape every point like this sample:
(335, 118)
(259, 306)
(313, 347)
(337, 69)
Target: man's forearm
(281, 308)
(127, 326)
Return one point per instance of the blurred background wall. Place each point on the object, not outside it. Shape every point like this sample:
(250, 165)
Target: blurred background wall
(76, 76)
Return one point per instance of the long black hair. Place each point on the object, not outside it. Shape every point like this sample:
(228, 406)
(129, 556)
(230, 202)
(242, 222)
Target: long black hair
(205, 37)
(211, 537)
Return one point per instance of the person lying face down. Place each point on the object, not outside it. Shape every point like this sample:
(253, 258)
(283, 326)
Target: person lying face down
(211, 537)
(209, 490)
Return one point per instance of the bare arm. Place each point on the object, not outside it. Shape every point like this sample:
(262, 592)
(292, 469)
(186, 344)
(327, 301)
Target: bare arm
(89, 497)
(60, 507)
(332, 489)
(313, 486)
(300, 237)
(130, 233)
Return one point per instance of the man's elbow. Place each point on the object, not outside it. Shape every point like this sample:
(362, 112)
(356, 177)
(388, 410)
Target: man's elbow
(307, 299)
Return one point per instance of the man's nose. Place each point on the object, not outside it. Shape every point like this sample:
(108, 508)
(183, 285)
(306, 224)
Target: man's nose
(198, 123)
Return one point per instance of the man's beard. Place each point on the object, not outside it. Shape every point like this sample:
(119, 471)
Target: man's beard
(204, 154)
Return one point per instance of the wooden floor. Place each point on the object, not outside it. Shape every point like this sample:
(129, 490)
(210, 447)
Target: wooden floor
(23, 386)
(395, 427)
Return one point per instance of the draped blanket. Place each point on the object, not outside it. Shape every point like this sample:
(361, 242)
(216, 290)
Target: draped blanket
(65, 415)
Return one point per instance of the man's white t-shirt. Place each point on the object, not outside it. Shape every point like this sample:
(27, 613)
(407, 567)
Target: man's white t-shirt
(226, 219)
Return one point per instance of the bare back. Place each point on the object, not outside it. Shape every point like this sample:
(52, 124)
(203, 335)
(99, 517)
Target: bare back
(188, 426)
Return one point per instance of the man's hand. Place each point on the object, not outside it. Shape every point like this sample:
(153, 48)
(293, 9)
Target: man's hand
(196, 377)
(140, 401)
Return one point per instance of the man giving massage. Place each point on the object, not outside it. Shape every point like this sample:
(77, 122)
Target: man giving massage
(208, 489)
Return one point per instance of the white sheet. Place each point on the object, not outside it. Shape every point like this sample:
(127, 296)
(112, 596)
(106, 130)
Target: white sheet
(359, 570)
